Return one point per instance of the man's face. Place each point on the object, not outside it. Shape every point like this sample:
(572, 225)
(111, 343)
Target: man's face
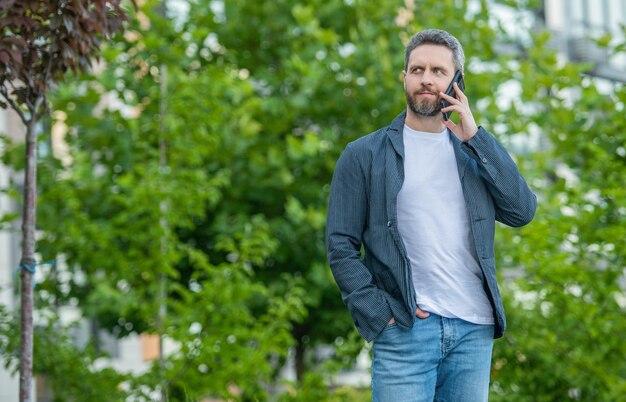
(429, 71)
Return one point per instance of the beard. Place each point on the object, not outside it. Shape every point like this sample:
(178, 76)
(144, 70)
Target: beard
(423, 107)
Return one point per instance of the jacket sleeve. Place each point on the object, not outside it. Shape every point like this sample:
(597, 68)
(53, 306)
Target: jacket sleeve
(346, 221)
(515, 203)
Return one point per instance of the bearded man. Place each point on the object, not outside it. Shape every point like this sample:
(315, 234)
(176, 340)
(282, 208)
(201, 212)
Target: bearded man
(422, 196)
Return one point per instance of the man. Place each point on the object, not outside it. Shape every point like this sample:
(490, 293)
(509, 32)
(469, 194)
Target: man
(422, 196)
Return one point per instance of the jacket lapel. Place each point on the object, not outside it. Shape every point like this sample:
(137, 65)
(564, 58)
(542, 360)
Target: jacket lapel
(394, 173)
(394, 163)
(394, 132)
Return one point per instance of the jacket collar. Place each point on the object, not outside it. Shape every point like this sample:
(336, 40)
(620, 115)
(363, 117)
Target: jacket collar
(394, 132)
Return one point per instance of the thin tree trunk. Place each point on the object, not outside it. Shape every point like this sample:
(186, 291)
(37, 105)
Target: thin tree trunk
(300, 349)
(28, 261)
(162, 313)
(298, 333)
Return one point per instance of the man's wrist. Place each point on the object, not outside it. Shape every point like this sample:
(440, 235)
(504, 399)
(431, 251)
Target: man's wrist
(473, 133)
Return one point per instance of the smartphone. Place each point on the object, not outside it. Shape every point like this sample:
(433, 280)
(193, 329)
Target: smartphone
(458, 78)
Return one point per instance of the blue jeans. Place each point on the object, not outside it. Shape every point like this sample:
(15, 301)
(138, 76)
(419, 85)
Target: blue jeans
(439, 359)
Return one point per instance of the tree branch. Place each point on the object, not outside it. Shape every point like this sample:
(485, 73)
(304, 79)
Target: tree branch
(14, 106)
(40, 99)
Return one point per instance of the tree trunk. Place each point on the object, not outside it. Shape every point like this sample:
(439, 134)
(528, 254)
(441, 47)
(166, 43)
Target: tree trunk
(300, 366)
(28, 262)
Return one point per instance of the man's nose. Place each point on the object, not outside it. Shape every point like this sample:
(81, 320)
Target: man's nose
(427, 78)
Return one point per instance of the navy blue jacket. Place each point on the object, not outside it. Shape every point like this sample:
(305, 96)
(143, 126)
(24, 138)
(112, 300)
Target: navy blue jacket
(362, 212)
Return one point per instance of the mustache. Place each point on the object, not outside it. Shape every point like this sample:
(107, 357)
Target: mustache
(424, 90)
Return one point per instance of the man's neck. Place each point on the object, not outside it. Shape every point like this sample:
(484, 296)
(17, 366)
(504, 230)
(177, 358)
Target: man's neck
(429, 124)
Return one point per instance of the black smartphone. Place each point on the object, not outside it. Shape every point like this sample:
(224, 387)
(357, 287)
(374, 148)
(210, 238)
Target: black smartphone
(458, 78)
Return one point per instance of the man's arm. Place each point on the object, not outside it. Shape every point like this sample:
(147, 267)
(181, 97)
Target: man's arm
(515, 203)
(346, 220)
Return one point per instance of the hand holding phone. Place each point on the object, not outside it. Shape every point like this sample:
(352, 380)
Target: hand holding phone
(458, 78)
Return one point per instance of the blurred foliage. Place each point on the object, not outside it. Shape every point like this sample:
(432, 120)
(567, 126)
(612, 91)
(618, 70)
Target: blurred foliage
(67, 369)
(219, 184)
(568, 304)
(314, 388)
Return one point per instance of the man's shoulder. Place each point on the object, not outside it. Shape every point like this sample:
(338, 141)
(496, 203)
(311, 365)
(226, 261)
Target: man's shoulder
(373, 139)
(376, 138)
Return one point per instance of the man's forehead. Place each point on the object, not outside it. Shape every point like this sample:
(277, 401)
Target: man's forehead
(433, 54)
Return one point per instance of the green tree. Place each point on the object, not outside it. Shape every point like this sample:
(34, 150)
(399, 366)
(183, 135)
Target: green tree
(40, 42)
(121, 219)
(568, 304)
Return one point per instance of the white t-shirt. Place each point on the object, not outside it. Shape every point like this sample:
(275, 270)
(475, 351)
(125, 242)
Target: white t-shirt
(434, 225)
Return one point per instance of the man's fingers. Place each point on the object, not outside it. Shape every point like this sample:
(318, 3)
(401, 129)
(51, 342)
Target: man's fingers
(450, 99)
(419, 313)
(460, 95)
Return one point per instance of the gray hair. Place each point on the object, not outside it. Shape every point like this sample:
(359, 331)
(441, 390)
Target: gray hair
(436, 37)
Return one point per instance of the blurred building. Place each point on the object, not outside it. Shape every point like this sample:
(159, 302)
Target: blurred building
(11, 126)
(577, 24)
